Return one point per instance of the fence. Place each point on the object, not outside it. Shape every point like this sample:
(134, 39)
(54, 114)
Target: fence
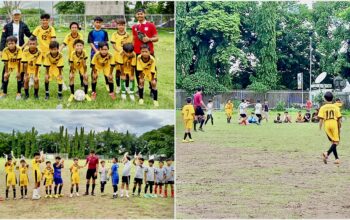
(289, 97)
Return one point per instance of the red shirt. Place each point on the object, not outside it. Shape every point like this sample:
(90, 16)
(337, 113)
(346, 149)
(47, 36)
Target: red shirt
(308, 105)
(93, 162)
(197, 99)
(149, 29)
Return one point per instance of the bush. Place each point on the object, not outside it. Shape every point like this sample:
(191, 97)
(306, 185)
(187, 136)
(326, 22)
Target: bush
(210, 84)
(280, 106)
(318, 99)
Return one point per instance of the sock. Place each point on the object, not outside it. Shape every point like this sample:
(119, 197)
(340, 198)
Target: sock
(81, 80)
(155, 94)
(71, 190)
(5, 84)
(127, 82)
(25, 191)
(87, 188)
(93, 85)
(151, 188)
(14, 193)
(185, 136)
(26, 91)
(77, 188)
(146, 188)
(139, 191)
(141, 93)
(106, 80)
(59, 90)
(134, 189)
(172, 193)
(71, 88)
(22, 191)
(36, 92)
(93, 188)
(160, 190)
(60, 189)
(7, 193)
(335, 151)
(50, 191)
(126, 192)
(115, 189)
(121, 191)
(86, 89)
(111, 87)
(202, 122)
(55, 190)
(117, 79)
(195, 124)
(132, 86)
(19, 86)
(189, 135)
(123, 86)
(155, 189)
(47, 88)
(47, 191)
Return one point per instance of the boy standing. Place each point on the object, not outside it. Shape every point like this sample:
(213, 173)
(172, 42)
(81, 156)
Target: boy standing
(103, 176)
(243, 112)
(75, 177)
(330, 116)
(138, 180)
(210, 112)
(169, 178)
(38, 158)
(44, 33)
(48, 179)
(23, 178)
(149, 177)
(160, 176)
(10, 176)
(115, 177)
(188, 118)
(126, 176)
(258, 111)
(57, 176)
(229, 110)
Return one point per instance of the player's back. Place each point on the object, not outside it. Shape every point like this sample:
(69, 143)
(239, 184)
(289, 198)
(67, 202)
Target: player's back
(188, 111)
(330, 113)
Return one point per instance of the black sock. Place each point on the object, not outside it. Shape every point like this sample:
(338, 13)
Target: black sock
(22, 191)
(195, 124)
(47, 191)
(93, 188)
(185, 136)
(81, 80)
(47, 88)
(117, 79)
(19, 86)
(139, 191)
(93, 86)
(14, 193)
(77, 188)
(87, 188)
(189, 135)
(111, 87)
(146, 188)
(141, 93)
(5, 84)
(25, 191)
(50, 191)
(26, 91)
(102, 186)
(202, 122)
(335, 152)
(151, 188)
(60, 189)
(71, 88)
(115, 188)
(55, 189)
(106, 80)
(127, 83)
(7, 193)
(86, 89)
(36, 92)
(134, 189)
(71, 190)
(155, 94)
(60, 90)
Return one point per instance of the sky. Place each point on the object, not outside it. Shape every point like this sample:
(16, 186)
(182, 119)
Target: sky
(137, 122)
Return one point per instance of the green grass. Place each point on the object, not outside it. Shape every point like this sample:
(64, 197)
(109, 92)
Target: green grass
(84, 207)
(164, 52)
(266, 171)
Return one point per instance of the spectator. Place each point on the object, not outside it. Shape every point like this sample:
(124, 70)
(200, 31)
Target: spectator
(278, 118)
(307, 116)
(314, 117)
(299, 118)
(308, 104)
(287, 118)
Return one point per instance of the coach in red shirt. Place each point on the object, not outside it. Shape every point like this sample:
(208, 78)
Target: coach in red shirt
(199, 113)
(92, 162)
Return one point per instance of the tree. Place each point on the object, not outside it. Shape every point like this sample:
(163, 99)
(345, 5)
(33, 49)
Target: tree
(70, 7)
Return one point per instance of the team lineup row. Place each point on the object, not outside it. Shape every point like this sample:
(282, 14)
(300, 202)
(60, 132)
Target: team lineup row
(154, 177)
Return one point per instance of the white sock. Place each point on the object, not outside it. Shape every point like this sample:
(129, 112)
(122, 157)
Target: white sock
(121, 191)
(126, 192)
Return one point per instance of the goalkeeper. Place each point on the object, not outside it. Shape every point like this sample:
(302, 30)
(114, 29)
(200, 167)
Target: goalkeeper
(144, 32)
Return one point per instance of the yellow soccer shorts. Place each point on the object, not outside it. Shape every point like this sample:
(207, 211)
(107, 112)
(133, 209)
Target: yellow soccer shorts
(75, 179)
(54, 76)
(229, 114)
(48, 181)
(188, 124)
(11, 179)
(37, 176)
(23, 180)
(148, 76)
(79, 70)
(332, 133)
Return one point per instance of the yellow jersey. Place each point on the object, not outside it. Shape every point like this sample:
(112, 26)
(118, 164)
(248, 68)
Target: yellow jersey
(147, 67)
(78, 60)
(23, 170)
(330, 113)
(188, 112)
(44, 37)
(55, 63)
(74, 169)
(32, 59)
(119, 40)
(35, 165)
(103, 64)
(23, 175)
(128, 63)
(9, 169)
(48, 173)
(69, 41)
(229, 107)
(13, 58)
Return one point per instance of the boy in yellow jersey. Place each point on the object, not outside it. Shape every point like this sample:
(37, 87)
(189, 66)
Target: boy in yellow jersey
(54, 63)
(69, 42)
(38, 158)
(77, 62)
(103, 62)
(23, 178)
(329, 115)
(188, 117)
(31, 60)
(10, 176)
(146, 70)
(45, 33)
(118, 39)
(126, 64)
(74, 170)
(48, 179)
(11, 56)
(229, 110)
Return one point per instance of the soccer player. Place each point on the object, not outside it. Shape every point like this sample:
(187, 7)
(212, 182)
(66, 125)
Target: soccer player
(77, 61)
(23, 178)
(54, 63)
(96, 36)
(31, 60)
(229, 110)
(115, 177)
(243, 112)
(160, 176)
(188, 115)
(38, 158)
(146, 69)
(138, 180)
(11, 56)
(69, 42)
(258, 110)
(199, 113)
(48, 179)
(126, 64)
(169, 178)
(266, 110)
(57, 176)
(75, 177)
(103, 176)
(149, 178)
(10, 176)
(330, 117)
(45, 34)
(92, 161)
(103, 62)
(118, 39)
(210, 112)
(125, 175)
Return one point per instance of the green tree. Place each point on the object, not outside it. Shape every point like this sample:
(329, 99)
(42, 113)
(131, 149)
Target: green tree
(70, 7)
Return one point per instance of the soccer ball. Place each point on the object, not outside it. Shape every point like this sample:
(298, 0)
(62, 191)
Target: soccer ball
(79, 95)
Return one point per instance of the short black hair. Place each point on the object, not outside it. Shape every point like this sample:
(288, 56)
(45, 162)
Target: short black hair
(58, 158)
(212, 100)
(140, 10)
(11, 39)
(36, 154)
(92, 152)
(22, 161)
(142, 159)
(128, 158)
(78, 41)
(74, 23)
(54, 44)
(258, 101)
(145, 46)
(328, 96)
(47, 162)
(120, 21)
(285, 112)
(33, 38)
(115, 158)
(242, 100)
(45, 16)
(9, 158)
(337, 99)
(188, 99)
(278, 113)
(75, 159)
(162, 162)
(169, 159)
(103, 44)
(98, 18)
(151, 161)
(102, 161)
(128, 47)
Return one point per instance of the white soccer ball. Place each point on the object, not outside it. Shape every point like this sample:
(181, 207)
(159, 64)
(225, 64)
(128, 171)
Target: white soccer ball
(79, 95)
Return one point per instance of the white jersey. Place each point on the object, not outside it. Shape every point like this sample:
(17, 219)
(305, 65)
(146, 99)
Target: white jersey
(242, 108)
(127, 168)
(210, 108)
(258, 108)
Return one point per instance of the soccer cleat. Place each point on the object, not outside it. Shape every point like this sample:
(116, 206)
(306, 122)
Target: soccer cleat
(107, 87)
(22, 197)
(112, 96)
(51, 196)
(71, 195)
(185, 141)
(59, 97)
(2, 96)
(121, 195)
(141, 101)
(127, 196)
(18, 96)
(47, 196)
(64, 87)
(60, 195)
(127, 90)
(56, 196)
(26, 97)
(35, 97)
(201, 129)
(47, 96)
(123, 96)
(76, 194)
(87, 97)
(132, 97)
(155, 103)
(191, 140)
(93, 96)
(93, 194)
(71, 97)
(25, 197)
(86, 194)
(324, 158)
(337, 161)
(14, 198)
(117, 90)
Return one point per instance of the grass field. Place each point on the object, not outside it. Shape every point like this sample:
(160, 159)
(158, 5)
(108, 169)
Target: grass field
(83, 206)
(267, 171)
(164, 52)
